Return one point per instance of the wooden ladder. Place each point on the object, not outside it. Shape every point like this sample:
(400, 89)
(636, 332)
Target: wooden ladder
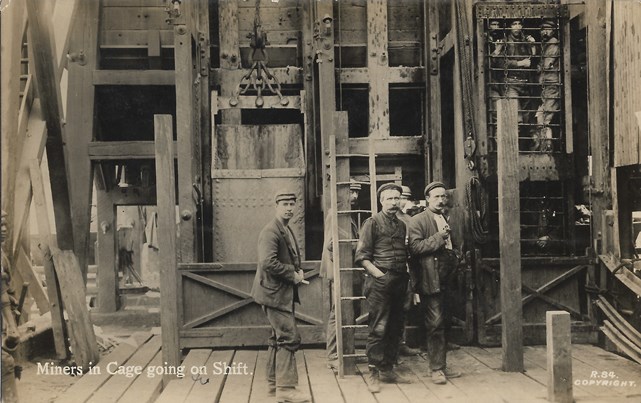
(342, 253)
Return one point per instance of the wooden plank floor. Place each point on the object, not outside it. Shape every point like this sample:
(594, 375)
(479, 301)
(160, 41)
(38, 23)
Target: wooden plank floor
(598, 376)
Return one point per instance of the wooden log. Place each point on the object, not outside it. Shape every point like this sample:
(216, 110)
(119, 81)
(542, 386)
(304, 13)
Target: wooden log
(509, 236)
(83, 340)
(559, 354)
(378, 65)
(166, 199)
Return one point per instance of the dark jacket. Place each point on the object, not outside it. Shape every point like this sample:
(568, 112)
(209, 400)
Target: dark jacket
(278, 260)
(426, 248)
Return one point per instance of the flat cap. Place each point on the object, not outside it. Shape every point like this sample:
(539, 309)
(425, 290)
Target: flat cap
(387, 186)
(354, 185)
(548, 24)
(284, 195)
(407, 192)
(433, 185)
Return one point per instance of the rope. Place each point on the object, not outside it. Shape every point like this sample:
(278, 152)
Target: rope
(467, 75)
(477, 207)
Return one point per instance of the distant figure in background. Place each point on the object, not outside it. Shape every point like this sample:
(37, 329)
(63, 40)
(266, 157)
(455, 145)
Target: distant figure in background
(327, 269)
(549, 77)
(496, 45)
(10, 335)
(275, 288)
(518, 51)
(405, 204)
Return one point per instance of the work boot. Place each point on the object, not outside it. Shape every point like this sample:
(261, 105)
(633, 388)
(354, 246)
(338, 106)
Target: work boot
(408, 351)
(271, 391)
(373, 380)
(452, 346)
(392, 376)
(291, 395)
(450, 373)
(438, 377)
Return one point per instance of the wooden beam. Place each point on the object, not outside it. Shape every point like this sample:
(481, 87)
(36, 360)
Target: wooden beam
(134, 77)
(559, 356)
(13, 27)
(377, 65)
(64, 12)
(324, 50)
(397, 145)
(80, 124)
(284, 75)
(165, 188)
(188, 145)
(33, 147)
(229, 52)
(598, 109)
(396, 75)
(433, 150)
(201, 12)
(46, 240)
(83, 339)
(107, 276)
(46, 72)
(509, 236)
(122, 150)
(313, 182)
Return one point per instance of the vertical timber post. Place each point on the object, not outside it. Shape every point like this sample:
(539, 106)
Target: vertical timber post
(166, 201)
(377, 67)
(559, 356)
(509, 236)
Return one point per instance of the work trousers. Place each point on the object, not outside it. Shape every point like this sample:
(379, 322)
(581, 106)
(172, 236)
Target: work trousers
(433, 309)
(385, 296)
(283, 344)
(332, 352)
(549, 105)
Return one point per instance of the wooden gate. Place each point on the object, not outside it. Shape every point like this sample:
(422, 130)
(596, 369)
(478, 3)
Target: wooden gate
(548, 283)
(250, 163)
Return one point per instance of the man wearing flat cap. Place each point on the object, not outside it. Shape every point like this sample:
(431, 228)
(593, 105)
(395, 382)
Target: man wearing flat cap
(327, 269)
(382, 252)
(550, 71)
(276, 289)
(433, 263)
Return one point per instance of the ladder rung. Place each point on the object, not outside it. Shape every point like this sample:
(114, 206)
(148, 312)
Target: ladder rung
(352, 211)
(352, 269)
(354, 326)
(353, 155)
(348, 240)
(356, 355)
(352, 298)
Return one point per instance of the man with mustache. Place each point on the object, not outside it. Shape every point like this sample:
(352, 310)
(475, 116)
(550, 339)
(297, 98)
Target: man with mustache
(382, 252)
(433, 263)
(275, 288)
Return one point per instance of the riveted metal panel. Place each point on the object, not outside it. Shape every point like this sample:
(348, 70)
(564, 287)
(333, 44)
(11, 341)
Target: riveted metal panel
(243, 206)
